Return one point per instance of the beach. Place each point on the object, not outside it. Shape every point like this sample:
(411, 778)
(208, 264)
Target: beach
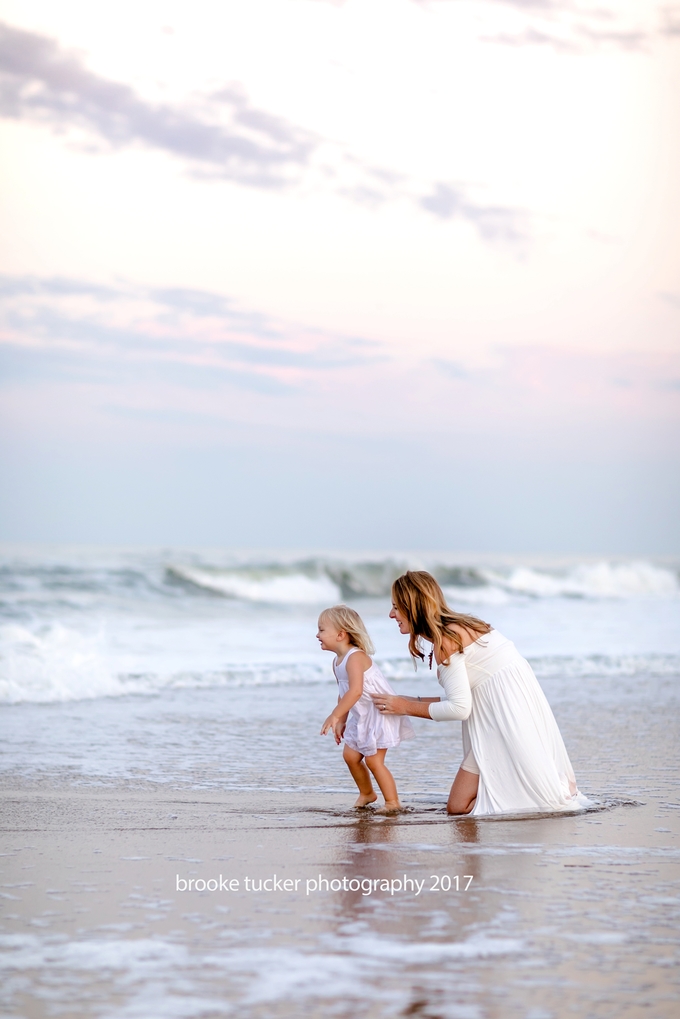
(296, 297)
(177, 839)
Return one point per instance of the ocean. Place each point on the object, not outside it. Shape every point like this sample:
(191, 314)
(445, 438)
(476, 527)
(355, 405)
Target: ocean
(80, 624)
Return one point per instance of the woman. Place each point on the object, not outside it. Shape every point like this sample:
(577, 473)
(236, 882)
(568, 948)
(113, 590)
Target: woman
(514, 758)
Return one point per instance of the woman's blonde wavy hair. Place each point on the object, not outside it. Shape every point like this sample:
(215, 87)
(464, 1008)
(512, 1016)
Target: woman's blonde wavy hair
(421, 601)
(351, 622)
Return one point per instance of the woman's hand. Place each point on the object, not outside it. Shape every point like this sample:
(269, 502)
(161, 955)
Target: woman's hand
(389, 704)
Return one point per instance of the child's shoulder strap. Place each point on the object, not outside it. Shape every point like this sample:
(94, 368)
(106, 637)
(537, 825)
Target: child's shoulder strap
(344, 660)
(350, 652)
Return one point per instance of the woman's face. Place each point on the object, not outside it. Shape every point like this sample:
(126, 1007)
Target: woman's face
(401, 621)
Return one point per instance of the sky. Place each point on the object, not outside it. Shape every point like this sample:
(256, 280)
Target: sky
(372, 274)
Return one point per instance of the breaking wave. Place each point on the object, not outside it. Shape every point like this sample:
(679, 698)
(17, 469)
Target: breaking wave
(272, 586)
(598, 580)
(316, 580)
(325, 581)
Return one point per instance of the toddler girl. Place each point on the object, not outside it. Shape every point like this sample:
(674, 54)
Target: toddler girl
(368, 734)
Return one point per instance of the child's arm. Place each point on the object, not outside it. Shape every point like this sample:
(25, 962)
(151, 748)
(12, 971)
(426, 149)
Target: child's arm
(356, 667)
(339, 729)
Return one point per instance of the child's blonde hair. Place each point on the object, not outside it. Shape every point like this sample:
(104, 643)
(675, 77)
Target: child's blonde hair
(351, 622)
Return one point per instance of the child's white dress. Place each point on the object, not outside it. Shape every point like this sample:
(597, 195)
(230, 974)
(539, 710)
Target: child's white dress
(367, 729)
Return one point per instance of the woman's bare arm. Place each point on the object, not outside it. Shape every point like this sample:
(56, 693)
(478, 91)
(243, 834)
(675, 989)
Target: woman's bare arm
(391, 704)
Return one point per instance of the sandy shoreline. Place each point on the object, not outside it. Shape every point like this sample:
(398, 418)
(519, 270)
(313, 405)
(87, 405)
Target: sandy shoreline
(108, 802)
(560, 913)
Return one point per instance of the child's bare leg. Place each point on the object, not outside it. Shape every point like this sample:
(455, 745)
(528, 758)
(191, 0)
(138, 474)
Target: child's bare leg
(361, 775)
(383, 776)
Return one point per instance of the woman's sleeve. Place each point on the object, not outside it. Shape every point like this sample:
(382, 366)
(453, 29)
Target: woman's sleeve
(457, 700)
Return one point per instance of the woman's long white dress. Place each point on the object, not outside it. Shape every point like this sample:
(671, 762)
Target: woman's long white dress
(510, 736)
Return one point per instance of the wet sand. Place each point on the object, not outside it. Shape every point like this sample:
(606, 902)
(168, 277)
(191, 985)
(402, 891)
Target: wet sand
(551, 917)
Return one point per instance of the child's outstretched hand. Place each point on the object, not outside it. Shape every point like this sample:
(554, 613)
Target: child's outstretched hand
(329, 724)
(337, 725)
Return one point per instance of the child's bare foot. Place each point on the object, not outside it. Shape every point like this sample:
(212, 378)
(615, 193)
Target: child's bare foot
(364, 800)
(391, 807)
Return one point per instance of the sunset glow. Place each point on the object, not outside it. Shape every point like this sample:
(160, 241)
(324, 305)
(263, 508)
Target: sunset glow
(253, 247)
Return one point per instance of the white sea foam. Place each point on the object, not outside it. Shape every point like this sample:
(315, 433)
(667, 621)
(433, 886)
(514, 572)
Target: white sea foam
(29, 952)
(598, 580)
(574, 667)
(56, 663)
(254, 975)
(292, 588)
(405, 952)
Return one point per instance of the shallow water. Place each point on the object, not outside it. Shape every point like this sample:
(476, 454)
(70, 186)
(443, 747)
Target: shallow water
(236, 738)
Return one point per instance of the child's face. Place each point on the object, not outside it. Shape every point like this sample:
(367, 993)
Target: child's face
(329, 636)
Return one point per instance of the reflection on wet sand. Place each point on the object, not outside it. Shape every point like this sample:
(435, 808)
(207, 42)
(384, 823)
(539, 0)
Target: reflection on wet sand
(365, 858)
(466, 831)
(376, 862)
